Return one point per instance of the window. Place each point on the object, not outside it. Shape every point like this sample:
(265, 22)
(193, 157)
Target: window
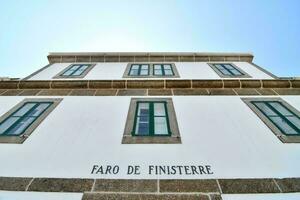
(139, 70)
(163, 70)
(228, 70)
(151, 70)
(151, 120)
(279, 116)
(75, 71)
(18, 123)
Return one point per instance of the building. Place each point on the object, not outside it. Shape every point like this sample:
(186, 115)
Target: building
(203, 126)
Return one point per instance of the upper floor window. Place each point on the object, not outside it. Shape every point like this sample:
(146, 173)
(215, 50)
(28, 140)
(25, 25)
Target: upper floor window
(283, 119)
(19, 122)
(228, 70)
(75, 71)
(139, 70)
(150, 70)
(163, 70)
(151, 120)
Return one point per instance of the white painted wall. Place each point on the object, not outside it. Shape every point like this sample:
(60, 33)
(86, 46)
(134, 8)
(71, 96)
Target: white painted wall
(39, 196)
(215, 130)
(187, 70)
(286, 196)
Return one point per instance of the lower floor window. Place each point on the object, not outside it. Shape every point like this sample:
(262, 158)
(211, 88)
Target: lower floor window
(18, 123)
(279, 116)
(285, 120)
(151, 119)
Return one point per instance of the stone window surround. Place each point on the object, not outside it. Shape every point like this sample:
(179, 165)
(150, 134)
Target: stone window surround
(151, 70)
(283, 137)
(60, 74)
(21, 138)
(128, 138)
(245, 75)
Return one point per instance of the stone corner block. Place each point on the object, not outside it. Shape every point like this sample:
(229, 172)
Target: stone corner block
(61, 185)
(250, 83)
(201, 185)
(295, 83)
(125, 185)
(237, 186)
(34, 85)
(14, 183)
(178, 84)
(73, 84)
(289, 184)
(145, 84)
(276, 83)
(9, 84)
(231, 83)
(207, 83)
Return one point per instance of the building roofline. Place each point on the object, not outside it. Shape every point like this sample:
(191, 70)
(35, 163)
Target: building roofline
(151, 53)
(64, 57)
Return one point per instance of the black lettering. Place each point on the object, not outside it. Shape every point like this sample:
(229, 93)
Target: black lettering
(173, 170)
(201, 169)
(116, 169)
(179, 168)
(100, 170)
(208, 168)
(94, 168)
(194, 170)
(137, 170)
(162, 168)
(187, 170)
(130, 169)
(151, 169)
(108, 169)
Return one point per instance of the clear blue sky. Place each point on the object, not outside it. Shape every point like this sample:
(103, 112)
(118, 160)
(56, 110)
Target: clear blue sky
(270, 29)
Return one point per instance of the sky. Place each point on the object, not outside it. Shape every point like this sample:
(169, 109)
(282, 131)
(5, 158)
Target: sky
(30, 29)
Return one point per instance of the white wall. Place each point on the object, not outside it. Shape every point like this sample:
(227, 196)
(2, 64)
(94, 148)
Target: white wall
(39, 196)
(286, 196)
(215, 130)
(187, 70)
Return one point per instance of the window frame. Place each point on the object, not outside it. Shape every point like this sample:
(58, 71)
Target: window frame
(151, 73)
(151, 119)
(162, 70)
(243, 73)
(278, 113)
(82, 75)
(139, 70)
(284, 137)
(20, 138)
(130, 137)
(6, 132)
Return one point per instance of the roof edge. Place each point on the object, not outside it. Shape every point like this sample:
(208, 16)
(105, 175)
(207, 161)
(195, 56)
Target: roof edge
(64, 57)
(150, 53)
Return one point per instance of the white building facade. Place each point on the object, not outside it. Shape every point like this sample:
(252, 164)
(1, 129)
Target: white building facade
(150, 126)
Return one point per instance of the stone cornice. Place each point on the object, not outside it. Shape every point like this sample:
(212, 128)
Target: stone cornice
(152, 188)
(150, 84)
(167, 87)
(74, 57)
